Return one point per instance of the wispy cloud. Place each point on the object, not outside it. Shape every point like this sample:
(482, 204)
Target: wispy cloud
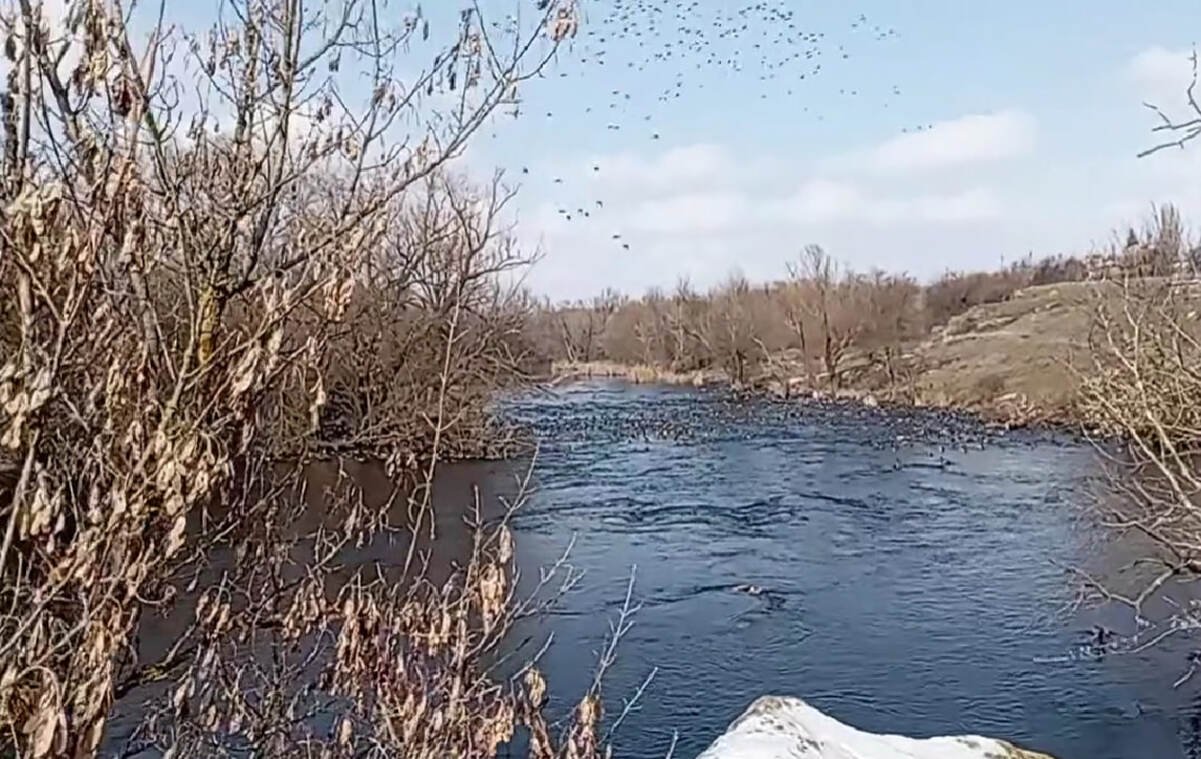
(1161, 75)
(967, 140)
(685, 167)
(826, 201)
(691, 213)
(702, 210)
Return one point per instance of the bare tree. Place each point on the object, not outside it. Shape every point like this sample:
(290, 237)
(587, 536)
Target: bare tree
(1141, 390)
(796, 315)
(888, 305)
(583, 326)
(730, 329)
(836, 327)
(209, 239)
(648, 326)
(1178, 130)
(1141, 393)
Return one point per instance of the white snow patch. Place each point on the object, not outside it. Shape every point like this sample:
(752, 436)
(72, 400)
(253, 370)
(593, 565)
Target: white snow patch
(776, 727)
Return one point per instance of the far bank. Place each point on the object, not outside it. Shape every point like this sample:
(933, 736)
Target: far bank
(1015, 362)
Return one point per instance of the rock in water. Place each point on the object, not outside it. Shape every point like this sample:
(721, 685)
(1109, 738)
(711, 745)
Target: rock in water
(776, 727)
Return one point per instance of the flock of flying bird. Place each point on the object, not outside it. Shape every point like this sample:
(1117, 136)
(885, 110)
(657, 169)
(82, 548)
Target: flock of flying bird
(693, 42)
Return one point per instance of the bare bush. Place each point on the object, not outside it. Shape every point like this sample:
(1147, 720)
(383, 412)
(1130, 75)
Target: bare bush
(892, 320)
(434, 279)
(1162, 249)
(1142, 391)
(955, 293)
(729, 331)
(394, 663)
(1141, 394)
(582, 328)
(226, 253)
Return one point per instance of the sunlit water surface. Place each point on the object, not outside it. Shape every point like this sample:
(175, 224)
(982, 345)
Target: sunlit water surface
(912, 567)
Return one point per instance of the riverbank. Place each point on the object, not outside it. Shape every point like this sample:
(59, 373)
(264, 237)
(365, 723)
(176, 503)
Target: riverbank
(638, 374)
(1016, 362)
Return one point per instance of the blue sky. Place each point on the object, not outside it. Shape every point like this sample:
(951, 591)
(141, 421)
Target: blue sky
(1031, 116)
(1037, 117)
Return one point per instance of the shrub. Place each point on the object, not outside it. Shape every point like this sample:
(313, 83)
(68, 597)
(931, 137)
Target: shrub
(206, 285)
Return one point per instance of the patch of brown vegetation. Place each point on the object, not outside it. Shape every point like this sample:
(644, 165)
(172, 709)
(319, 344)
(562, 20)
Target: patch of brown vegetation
(192, 316)
(1012, 359)
(1007, 344)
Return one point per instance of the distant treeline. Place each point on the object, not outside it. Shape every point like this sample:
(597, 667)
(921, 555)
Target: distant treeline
(822, 312)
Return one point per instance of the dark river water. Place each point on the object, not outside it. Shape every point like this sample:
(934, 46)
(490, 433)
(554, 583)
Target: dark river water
(913, 568)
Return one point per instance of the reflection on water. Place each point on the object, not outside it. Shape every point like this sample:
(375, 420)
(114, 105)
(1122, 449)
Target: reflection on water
(907, 573)
(457, 488)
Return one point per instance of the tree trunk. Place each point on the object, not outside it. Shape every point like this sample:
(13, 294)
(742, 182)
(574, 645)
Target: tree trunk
(210, 314)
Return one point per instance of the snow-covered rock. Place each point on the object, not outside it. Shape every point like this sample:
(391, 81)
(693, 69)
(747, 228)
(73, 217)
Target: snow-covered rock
(776, 727)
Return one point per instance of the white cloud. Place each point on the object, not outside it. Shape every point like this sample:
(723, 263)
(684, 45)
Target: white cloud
(820, 200)
(817, 202)
(825, 201)
(1161, 75)
(967, 193)
(687, 166)
(702, 210)
(976, 138)
(691, 213)
(1168, 176)
(976, 204)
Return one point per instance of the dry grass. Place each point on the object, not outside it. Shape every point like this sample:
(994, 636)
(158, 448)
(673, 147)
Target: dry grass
(1009, 344)
(1019, 351)
(639, 374)
(1011, 359)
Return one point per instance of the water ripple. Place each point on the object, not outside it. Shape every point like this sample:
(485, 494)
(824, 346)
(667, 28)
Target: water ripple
(899, 570)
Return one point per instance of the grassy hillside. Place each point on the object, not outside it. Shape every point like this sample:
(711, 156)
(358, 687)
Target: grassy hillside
(1018, 358)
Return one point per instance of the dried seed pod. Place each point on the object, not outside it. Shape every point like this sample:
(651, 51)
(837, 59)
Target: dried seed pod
(535, 685)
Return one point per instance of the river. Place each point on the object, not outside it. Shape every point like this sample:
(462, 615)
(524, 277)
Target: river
(912, 569)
